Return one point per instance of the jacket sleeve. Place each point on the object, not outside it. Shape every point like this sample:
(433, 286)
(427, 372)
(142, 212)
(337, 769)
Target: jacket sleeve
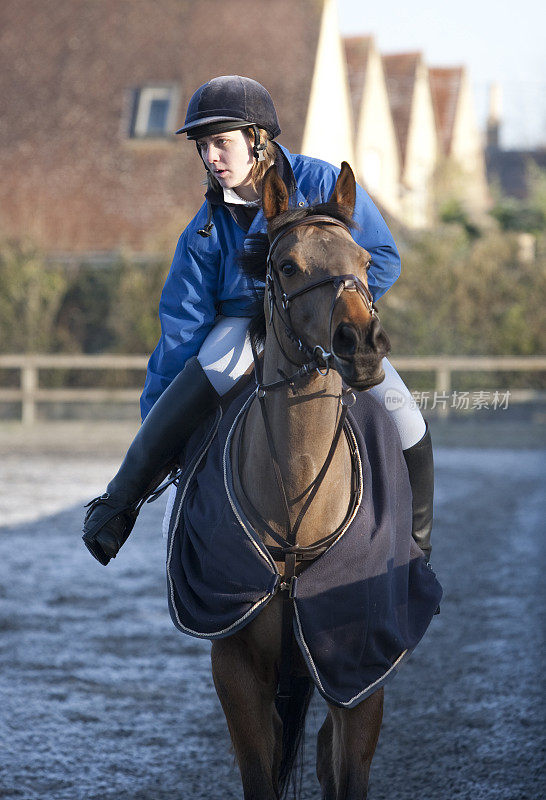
(373, 234)
(376, 238)
(187, 311)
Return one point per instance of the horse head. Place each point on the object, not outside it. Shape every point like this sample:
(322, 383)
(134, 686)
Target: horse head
(317, 299)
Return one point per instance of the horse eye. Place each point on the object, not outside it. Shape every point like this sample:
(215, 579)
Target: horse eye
(288, 269)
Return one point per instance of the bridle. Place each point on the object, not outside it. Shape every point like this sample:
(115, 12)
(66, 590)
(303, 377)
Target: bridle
(317, 356)
(318, 360)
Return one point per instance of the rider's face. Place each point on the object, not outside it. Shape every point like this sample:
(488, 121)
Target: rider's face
(230, 159)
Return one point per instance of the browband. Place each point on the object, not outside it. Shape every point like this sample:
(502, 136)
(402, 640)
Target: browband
(313, 219)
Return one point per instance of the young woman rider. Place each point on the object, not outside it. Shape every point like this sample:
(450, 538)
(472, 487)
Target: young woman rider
(207, 302)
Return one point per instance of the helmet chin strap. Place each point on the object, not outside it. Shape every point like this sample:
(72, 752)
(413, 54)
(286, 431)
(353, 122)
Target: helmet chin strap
(259, 147)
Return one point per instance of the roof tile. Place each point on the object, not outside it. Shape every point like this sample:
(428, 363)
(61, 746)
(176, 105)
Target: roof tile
(357, 50)
(445, 84)
(400, 74)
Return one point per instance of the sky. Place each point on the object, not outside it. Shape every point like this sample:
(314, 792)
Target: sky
(498, 41)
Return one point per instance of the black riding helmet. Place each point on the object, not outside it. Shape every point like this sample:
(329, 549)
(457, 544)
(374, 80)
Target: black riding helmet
(228, 103)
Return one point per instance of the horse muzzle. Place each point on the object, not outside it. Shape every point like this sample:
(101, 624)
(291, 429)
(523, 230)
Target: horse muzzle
(358, 352)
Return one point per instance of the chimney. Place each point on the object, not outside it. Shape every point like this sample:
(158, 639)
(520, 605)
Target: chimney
(494, 116)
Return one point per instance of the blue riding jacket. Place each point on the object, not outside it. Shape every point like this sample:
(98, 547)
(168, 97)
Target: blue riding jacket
(205, 279)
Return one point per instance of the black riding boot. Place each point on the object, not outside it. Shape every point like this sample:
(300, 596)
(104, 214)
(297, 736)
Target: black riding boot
(153, 451)
(420, 463)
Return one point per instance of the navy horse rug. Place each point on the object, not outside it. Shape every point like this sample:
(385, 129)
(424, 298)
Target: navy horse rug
(360, 608)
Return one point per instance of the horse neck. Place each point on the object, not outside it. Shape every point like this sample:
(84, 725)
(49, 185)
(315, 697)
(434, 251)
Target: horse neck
(303, 424)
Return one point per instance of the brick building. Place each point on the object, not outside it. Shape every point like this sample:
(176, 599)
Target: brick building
(93, 90)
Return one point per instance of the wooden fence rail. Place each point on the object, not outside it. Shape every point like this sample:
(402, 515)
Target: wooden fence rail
(29, 394)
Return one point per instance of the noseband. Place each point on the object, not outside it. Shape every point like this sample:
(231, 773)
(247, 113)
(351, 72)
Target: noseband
(349, 282)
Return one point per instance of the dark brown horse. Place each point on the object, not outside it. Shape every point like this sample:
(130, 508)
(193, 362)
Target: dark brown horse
(317, 309)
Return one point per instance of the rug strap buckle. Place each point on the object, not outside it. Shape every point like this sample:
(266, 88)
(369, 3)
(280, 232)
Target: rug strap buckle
(289, 586)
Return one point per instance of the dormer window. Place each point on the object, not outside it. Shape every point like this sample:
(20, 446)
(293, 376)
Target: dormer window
(154, 110)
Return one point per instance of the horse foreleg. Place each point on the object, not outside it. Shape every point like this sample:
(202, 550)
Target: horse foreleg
(351, 740)
(247, 694)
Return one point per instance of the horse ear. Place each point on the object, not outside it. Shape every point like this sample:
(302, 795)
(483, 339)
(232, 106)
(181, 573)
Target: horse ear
(274, 194)
(344, 193)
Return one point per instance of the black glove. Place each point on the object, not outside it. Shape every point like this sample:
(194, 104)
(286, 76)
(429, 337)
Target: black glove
(106, 528)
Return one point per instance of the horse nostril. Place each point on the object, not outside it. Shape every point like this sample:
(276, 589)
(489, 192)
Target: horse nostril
(345, 340)
(377, 338)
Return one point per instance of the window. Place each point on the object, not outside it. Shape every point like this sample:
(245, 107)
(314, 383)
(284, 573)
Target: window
(154, 110)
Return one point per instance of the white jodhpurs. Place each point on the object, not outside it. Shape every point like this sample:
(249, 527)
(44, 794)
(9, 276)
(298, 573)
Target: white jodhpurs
(397, 399)
(226, 354)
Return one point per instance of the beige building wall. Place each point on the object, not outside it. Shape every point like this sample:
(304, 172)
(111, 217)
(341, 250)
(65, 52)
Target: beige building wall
(422, 152)
(467, 150)
(378, 160)
(328, 132)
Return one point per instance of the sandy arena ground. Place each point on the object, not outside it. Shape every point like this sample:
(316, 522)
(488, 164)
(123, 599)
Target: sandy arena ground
(102, 699)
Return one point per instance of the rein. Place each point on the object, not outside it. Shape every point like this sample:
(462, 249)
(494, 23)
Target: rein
(287, 544)
(319, 361)
(286, 548)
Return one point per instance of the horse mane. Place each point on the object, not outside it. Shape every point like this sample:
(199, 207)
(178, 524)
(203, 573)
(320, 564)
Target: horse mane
(253, 259)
